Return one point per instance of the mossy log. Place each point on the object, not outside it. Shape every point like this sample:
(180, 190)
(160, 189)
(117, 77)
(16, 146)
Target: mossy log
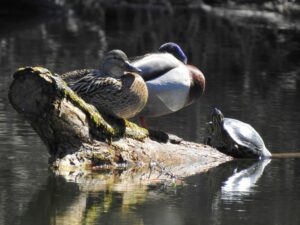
(80, 138)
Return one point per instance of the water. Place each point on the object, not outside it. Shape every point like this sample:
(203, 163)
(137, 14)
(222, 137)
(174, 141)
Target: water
(252, 74)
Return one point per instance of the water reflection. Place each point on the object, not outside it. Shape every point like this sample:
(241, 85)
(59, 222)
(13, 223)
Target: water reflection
(242, 183)
(84, 202)
(102, 198)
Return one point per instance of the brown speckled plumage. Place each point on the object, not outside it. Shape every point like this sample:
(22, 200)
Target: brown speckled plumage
(116, 89)
(77, 74)
(122, 98)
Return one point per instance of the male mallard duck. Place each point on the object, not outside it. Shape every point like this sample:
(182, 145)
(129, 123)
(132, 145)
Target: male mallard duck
(175, 50)
(172, 85)
(116, 89)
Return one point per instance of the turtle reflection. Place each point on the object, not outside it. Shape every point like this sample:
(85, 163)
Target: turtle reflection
(242, 183)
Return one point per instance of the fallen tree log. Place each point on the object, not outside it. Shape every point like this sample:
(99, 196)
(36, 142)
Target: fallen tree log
(79, 138)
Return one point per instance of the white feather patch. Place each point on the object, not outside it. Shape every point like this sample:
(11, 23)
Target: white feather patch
(172, 88)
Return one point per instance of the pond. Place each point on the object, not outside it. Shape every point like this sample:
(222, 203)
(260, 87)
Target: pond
(252, 74)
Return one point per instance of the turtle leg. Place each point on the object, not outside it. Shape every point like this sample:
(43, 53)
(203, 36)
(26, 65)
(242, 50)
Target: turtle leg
(233, 148)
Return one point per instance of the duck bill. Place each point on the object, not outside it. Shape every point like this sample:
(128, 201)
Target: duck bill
(130, 68)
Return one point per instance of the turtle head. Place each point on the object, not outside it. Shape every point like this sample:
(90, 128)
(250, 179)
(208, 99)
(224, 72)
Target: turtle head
(115, 64)
(175, 50)
(216, 117)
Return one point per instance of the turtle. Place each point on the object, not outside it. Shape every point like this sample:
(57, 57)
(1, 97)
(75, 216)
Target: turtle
(235, 137)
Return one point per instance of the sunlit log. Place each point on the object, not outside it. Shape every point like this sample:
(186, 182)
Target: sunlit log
(79, 138)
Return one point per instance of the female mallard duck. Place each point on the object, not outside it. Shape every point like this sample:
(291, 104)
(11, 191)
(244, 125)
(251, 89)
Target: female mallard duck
(172, 85)
(114, 64)
(116, 89)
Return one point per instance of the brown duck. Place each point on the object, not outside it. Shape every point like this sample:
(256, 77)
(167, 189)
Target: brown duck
(116, 89)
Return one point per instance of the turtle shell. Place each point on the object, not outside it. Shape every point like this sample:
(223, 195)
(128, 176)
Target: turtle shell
(244, 135)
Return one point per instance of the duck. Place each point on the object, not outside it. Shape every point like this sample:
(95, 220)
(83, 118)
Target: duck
(172, 83)
(114, 64)
(175, 50)
(116, 89)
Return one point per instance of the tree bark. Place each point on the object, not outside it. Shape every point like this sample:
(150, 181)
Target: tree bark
(80, 138)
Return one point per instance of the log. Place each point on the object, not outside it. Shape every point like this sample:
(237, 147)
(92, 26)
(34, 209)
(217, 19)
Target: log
(79, 138)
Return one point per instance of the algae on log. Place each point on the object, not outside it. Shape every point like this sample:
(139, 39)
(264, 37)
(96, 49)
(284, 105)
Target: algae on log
(78, 137)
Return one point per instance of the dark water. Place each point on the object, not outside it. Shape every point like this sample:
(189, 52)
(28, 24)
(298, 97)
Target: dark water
(252, 74)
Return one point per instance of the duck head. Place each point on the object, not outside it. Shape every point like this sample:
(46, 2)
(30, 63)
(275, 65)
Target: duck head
(115, 64)
(175, 50)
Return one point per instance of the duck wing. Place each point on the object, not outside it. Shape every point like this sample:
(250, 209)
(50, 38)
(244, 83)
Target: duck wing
(77, 74)
(171, 88)
(90, 84)
(156, 65)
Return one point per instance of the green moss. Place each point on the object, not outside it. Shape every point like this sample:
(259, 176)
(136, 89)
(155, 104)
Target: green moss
(102, 158)
(90, 111)
(131, 130)
(135, 131)
(33, 70)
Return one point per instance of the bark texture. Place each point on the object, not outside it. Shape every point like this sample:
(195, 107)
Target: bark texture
(80, 138)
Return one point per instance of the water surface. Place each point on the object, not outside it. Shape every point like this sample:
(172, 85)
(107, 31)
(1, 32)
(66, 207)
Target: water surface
(252, 74)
